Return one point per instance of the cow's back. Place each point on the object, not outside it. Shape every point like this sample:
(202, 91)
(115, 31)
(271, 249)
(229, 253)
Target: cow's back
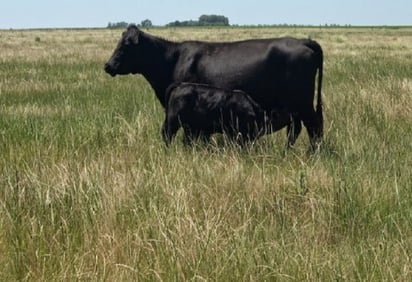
(267, 69)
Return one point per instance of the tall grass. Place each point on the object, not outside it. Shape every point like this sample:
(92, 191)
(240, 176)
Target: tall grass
(88, 191)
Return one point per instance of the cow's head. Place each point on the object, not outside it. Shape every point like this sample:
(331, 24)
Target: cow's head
(125, 58)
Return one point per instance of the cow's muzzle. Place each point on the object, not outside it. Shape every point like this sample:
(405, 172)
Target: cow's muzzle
(109, 69)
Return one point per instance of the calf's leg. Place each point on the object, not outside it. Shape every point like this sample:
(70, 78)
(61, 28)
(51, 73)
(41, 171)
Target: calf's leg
(191, 134)
(293, 130)
(169, 129)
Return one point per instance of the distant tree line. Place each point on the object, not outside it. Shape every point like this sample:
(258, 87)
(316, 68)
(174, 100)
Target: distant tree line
(145, 23)
(117, 25)
(211, 20)
(204, 20)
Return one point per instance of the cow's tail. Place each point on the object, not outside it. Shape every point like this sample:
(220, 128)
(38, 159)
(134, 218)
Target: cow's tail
(319, 62)
(319, 111)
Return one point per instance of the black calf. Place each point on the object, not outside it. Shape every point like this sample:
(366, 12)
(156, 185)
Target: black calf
(203, 110)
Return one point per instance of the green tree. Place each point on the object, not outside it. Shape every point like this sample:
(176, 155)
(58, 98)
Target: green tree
(204, 20)
(213, 20)
(146, 23)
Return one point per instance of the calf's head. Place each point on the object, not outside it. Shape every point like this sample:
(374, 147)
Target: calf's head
(125, 58)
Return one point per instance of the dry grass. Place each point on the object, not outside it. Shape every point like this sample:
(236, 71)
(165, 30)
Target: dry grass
(89, 192)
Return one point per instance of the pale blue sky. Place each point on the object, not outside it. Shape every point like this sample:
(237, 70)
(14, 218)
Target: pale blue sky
(97, 13)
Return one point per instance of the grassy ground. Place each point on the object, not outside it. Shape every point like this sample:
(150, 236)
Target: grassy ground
(89, 192)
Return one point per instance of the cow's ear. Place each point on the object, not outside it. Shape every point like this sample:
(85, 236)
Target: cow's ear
(133, 35)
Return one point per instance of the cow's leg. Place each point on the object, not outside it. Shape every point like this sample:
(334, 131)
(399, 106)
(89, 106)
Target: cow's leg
(314, 127)
(189, 135)
(293, 130)
(204, 136)
(170, 126)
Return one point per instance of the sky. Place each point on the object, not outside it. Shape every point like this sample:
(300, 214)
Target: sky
(17, 14)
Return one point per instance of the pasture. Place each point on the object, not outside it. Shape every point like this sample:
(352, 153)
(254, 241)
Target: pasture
(88, 191)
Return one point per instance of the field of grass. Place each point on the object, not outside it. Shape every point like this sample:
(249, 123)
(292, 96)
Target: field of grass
(89, 192)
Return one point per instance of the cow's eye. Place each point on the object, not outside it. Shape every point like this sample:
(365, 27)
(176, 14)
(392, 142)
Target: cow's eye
(126, 42)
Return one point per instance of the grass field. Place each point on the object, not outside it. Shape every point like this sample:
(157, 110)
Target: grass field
(89, 192)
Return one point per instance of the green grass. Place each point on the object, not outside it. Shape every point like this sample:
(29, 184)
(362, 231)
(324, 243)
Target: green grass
(88, 191)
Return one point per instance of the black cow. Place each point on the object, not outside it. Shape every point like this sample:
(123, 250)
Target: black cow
(203, 110)
(278, 73)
